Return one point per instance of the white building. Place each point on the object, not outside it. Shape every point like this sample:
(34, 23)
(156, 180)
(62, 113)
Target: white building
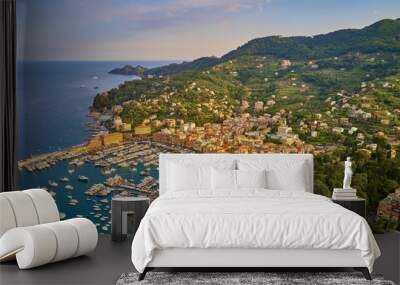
(338, 130)
(258, 106)
(117, 122)
(286, 63)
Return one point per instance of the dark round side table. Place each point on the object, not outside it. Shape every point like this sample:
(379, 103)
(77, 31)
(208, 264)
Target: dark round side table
(126, 214)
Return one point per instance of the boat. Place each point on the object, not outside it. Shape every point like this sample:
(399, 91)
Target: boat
(95, 77)
(83, 178)
(64, 179)
(106, 172)
(79, 163)
(100, 164)
(53, 183)
(69, 187)
(71, 171)
(73, 202)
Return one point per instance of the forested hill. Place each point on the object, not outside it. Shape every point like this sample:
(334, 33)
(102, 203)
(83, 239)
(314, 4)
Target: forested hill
(129, 70)
(382, 36)
(197, 64)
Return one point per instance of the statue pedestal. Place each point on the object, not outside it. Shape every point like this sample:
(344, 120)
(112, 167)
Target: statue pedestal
(344, 194)
(349, 190)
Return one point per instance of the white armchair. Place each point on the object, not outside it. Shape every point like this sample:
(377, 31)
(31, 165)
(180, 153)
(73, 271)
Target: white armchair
(31, 230)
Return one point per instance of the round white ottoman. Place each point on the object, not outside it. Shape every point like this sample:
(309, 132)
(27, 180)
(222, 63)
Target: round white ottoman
(44, 243)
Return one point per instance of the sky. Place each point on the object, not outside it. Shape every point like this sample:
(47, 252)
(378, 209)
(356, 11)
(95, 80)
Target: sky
(177, 29)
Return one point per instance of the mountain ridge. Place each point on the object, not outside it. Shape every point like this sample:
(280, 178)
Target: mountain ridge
(383, 35)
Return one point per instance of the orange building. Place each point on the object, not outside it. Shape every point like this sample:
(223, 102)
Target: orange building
(142, 130)
(94, 144)
(113, 138)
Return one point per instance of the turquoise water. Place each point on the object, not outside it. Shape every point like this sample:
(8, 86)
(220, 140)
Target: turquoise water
(53, 100)
(85, 206)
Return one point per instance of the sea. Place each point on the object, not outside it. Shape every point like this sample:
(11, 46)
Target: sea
(53, 100)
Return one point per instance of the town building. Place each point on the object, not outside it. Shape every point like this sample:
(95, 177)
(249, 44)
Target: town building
(142, 130)
(117, 123)
(285, 63)
(113, 138)
(94, 144)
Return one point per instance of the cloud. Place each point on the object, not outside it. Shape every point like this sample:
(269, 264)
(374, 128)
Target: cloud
(163, 14)
(224, 5)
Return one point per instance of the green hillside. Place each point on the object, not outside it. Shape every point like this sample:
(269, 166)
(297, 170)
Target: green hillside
(382, 36)
(338, 92)
(197, 64)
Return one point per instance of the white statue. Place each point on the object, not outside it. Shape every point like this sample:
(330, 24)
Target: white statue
(348, 173)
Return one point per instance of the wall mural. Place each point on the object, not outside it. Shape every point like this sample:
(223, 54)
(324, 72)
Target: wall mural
(91, 123)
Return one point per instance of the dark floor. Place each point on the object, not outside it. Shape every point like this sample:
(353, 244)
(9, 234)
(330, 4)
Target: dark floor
(111, 259)
(103, 266)
(389, 263)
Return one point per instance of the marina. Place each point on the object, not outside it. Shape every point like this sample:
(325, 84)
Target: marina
(88, 180)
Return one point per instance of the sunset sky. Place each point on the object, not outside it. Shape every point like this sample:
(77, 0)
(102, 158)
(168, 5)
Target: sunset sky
(177, 29)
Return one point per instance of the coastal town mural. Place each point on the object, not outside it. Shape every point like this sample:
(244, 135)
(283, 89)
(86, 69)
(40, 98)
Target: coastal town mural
(90, 130)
